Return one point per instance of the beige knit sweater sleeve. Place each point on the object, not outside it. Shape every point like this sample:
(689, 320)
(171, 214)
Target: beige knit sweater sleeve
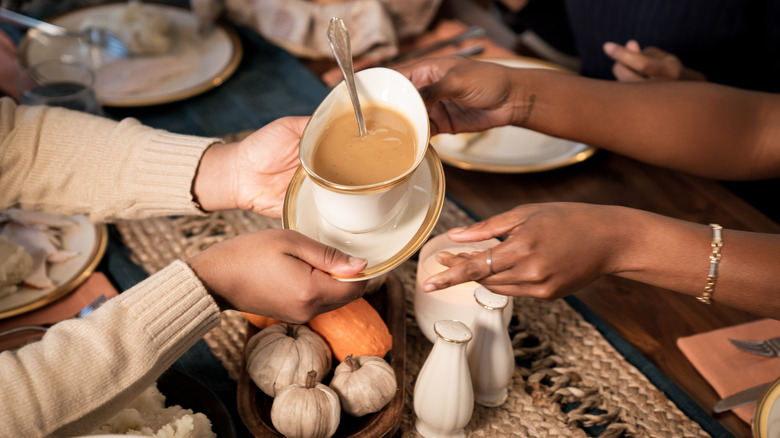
(62, 161)
(84, 371)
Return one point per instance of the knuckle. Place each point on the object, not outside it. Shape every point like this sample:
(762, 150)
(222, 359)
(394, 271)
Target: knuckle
(474, 270)
(536, 273)
(543, 292)
(331, 255)
(303, 305)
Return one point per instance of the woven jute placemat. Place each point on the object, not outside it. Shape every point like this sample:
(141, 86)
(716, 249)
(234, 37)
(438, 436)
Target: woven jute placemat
(569, 380)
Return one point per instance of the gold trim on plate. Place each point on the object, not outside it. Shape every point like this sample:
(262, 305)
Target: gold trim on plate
(219, 79)
(760, 423)
(101, 242)
(466, 164)
(133, 101)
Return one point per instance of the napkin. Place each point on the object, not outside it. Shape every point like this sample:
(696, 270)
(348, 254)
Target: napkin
(727, 369)
(300, 26)
(64, 308)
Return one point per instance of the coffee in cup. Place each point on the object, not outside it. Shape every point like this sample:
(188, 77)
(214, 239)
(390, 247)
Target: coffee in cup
(362, 183)
(342, 156)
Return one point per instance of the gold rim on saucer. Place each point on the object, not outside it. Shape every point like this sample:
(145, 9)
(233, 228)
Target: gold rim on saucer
(760, 424)
(431, 164)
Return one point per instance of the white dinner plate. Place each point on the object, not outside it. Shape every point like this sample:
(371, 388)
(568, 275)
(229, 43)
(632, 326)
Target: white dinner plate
(510, 149)
(89, 241)
(194, 65)
(766, 418)
(390, 245)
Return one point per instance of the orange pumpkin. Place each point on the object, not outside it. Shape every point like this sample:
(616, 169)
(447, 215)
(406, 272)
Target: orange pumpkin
(260, 321)
(355, 329)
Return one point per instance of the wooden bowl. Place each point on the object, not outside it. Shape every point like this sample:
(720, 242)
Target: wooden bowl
(254, 406)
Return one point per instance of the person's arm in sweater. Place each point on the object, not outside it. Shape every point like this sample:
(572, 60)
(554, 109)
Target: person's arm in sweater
(61, 161)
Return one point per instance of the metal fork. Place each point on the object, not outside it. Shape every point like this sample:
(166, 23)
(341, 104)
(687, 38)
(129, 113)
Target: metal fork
(89, 308)
(94, 36)
(769, 347)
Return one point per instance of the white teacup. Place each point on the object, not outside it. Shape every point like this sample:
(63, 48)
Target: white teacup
(360, 209)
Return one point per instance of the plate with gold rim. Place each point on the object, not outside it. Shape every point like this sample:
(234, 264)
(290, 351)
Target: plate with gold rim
(510, 149)
(386, 247)
(766, 418)
(89, 241)
(194, 65)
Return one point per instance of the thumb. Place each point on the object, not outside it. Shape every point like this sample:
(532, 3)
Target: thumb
(327, 258)
(443, 89)
(429, 93)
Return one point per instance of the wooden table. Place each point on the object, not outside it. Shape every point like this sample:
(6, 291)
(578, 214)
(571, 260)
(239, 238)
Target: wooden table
(649, 318)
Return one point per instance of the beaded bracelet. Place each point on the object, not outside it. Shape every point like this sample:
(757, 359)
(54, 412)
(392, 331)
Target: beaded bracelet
(712, 277)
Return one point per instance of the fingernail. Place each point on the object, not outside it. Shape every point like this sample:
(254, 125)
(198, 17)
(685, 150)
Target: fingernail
(428, 287)
(609, 48)
(356, 261)
(457, 230)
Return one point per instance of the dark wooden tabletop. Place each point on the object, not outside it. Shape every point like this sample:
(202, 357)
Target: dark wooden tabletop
(649, 318)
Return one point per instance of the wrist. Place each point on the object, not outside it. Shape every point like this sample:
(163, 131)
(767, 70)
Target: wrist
(208, 273)
(630, 238)
(526, 86)
(213, 187)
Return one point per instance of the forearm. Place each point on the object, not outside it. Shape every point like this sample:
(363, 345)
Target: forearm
(704, 129)
(84, 371)
(67, 162)
(674, 255)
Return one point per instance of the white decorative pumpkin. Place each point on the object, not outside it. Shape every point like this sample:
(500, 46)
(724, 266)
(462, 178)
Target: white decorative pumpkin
(282, 354)
(365, 384)
(310, 410)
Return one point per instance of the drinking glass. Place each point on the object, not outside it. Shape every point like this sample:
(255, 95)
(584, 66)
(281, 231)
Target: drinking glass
(56, 82)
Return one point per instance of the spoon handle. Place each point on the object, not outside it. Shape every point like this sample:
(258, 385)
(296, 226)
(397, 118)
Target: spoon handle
(11, 17)
(338, 39)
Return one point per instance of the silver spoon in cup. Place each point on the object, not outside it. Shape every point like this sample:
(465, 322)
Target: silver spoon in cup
(338, 39)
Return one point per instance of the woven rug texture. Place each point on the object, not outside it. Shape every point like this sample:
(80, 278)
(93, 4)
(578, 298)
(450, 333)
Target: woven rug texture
(568, 382)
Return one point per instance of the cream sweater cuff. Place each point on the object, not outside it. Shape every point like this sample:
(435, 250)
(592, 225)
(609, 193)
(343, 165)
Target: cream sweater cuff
(154, 174)
(174, 308)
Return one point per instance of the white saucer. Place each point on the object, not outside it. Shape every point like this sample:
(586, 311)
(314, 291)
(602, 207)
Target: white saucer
(386, 247)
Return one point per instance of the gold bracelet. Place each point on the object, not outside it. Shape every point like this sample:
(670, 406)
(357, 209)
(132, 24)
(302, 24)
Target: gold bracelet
(712, 277)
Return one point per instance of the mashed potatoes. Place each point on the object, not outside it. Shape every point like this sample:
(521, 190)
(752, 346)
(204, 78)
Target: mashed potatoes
(144, 30)
(148, 416)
